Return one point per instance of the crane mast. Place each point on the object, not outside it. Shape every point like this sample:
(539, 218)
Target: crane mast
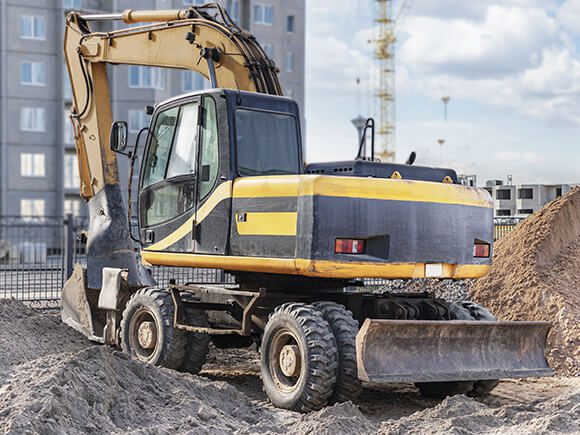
(385, 56)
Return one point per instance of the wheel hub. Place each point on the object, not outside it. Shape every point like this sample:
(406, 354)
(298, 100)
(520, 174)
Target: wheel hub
(290, 360)
(147, 335)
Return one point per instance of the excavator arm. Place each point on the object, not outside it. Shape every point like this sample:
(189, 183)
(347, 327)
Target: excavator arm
(201, 39)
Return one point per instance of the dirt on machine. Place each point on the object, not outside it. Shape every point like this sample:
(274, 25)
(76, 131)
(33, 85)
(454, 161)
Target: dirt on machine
(223, 184)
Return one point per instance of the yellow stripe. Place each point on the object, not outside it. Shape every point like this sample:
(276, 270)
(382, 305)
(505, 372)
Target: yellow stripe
(267, 224)
(222, 192)
(358, 187)
(312, 268)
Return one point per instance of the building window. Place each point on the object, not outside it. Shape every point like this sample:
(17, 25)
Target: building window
(68, 135)
(233, 8)
(194, 2)
(503, 213)
(558, 192)
(32, 27)
(32, 165)
(71, 172)
(290, 23)
(72, 206)
(137, 120)
(72, 4)
(32, 73)
(503, 194)
(32, 119)
(32, 208)
(263, 14)
(290, 61)
(526, 194)
(192, 81)
(66, 87)
(146, 77)
(525, 211)
(269, 50)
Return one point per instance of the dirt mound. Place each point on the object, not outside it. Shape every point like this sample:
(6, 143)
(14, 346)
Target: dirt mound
(463, 415)
(97, 389)
(536, 276)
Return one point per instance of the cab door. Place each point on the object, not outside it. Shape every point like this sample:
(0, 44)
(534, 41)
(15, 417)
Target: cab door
(168, 184)
(213, 209)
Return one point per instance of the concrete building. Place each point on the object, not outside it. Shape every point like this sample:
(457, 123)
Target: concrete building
(522, 200)
(38, 167)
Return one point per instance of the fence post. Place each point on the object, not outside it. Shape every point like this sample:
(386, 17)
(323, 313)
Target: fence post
(69, 244)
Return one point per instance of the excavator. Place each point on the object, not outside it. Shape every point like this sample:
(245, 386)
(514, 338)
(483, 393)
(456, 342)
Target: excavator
(223, 185)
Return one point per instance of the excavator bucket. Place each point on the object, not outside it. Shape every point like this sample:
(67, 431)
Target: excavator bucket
(438, 351)
(75, 310)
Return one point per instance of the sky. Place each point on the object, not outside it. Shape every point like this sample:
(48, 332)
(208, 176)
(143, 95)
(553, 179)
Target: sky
(511, 69)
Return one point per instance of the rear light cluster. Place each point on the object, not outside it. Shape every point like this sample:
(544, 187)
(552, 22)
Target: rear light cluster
(481, 250)
(349, 246)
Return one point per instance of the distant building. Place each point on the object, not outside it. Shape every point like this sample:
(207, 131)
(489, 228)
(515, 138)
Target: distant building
(522, 200)
(38, 164)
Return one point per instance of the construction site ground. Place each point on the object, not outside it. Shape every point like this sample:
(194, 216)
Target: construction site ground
(53, 380)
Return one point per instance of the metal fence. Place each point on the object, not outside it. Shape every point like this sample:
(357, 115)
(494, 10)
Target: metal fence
(37, 255)
(504, 226)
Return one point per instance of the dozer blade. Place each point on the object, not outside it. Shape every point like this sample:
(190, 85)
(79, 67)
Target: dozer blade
(438, 351)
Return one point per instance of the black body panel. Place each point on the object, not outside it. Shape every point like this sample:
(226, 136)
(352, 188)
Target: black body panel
(363, 168)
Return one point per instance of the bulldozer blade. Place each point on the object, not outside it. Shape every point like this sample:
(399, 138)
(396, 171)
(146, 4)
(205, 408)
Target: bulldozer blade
(438, 351)
(75, 309)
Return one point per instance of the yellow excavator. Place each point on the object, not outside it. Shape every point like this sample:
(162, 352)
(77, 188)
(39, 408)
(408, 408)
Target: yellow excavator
(223, 185)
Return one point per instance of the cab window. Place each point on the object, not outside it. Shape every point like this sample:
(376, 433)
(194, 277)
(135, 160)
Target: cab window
(169, 181)
(209, 164)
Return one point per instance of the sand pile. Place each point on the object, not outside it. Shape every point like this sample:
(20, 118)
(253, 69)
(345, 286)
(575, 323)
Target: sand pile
(536, 276)
(463, 415)
(54, 381)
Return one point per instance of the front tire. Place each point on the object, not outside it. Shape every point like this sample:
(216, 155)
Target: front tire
(298, 358)
(147, 332)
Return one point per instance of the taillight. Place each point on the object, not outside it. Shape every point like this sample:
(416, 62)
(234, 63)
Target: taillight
(481, 250)
(349, 246)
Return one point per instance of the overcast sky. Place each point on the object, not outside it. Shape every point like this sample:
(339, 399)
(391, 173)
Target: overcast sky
(511, 68)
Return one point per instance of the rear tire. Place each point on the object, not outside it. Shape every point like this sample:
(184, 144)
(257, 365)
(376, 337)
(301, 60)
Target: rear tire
(147, 332)
(482, 388)
(441, 390)
(298, 358)
(345, 328)
(197, 346)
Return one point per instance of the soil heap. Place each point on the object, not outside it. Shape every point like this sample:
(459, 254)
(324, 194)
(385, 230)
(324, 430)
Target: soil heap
(536, 276)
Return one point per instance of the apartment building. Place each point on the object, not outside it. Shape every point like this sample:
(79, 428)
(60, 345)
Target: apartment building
(522, 200)
(38, 166)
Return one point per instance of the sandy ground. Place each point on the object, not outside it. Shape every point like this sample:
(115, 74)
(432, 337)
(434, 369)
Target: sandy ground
(53, 381)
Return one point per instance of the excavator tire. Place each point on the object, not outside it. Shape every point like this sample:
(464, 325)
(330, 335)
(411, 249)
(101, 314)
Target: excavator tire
(197, 344)
(297, 332)
(147, 332)
(441, 390)
(478, 312)
(345, 328)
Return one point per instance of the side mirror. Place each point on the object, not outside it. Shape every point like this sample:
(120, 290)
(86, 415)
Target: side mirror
(118, 140)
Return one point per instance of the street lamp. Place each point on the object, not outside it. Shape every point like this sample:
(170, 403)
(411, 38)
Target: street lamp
(359, 123)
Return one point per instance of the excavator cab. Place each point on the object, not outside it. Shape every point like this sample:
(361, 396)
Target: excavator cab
(196, 144)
